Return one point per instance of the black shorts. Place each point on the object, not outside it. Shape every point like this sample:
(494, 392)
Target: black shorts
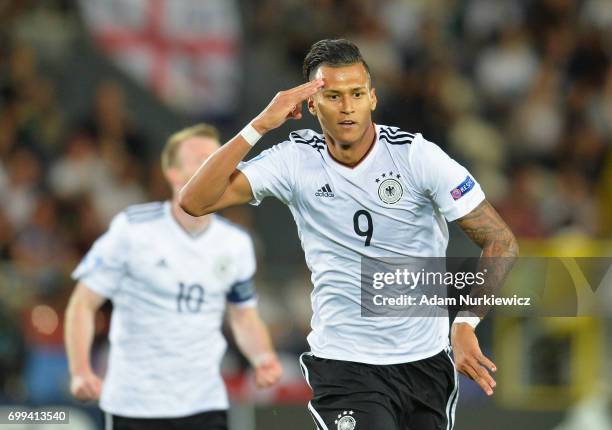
(211, 420)
(421, 395)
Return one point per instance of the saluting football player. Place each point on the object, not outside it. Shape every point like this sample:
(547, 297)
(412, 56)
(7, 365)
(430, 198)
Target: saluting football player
(359, 189)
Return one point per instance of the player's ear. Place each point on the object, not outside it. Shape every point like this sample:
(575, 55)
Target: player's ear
(373, 99)
(173, 176)
(311, 106)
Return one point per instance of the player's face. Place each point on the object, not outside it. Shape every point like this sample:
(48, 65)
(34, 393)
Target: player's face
(344, 105)
(190, 156)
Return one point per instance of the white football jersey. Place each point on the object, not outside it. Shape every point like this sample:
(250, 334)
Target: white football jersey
(394, 203)
(168, 290)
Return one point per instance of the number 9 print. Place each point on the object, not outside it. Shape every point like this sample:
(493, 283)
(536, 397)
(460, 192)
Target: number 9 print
(367, 233)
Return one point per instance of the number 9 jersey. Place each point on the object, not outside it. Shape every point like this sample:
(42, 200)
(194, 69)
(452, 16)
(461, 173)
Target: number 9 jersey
(168, 290)
(394, 203)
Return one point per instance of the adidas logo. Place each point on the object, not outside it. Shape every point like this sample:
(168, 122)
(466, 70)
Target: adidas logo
(324, 191)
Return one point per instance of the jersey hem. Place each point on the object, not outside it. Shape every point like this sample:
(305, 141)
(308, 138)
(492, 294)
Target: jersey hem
(182, 414)
(366, 359)
(458, 213)
(94, 286)
(243, 168)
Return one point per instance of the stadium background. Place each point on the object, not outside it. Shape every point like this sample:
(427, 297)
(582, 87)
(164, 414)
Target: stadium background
(519, 91)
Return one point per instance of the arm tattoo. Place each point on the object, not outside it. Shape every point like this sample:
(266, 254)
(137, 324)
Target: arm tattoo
(499, 250)
(486, 228)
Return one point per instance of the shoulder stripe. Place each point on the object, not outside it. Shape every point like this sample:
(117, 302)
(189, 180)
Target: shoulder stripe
(297, 137)
(144, 217)
(144, 212)
(396, 139)
(145, 208)
(392, 131)
(314, 142)
(399, 141)
(402, 142)
(396, 135)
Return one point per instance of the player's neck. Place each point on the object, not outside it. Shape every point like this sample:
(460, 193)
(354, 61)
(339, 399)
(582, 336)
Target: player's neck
(192, 225)
(351, 155)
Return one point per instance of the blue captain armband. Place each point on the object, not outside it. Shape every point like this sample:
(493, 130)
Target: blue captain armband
(241, 292)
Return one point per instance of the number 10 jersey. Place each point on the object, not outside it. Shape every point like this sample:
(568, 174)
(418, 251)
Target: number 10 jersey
(169, 290)
(394, 203)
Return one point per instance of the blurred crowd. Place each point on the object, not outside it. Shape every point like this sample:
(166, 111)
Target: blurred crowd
(520, 91)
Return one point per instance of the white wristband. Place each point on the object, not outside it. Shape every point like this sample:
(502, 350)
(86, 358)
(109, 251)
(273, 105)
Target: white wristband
(249, 134)
(472, 321)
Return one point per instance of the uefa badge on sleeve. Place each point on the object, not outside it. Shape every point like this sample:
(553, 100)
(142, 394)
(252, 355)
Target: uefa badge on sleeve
(390, 189)
(346, 421)
(463, 188)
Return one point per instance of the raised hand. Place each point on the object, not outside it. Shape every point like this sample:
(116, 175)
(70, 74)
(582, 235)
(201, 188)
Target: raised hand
(469, 359)
(285, 105)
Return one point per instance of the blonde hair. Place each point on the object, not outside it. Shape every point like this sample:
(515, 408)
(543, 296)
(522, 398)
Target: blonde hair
(168, 155)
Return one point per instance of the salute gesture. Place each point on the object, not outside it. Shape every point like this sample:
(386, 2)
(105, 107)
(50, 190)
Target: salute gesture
(285, 105)
(217, 184)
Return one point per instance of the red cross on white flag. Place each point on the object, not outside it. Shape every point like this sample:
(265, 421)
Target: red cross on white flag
(186, 51)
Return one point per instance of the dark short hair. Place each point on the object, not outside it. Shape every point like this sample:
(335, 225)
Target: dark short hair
(332, 52)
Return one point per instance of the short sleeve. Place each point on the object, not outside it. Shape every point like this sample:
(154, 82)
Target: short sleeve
(271, 173)
(452, 188)
(104, 265)
(242, 291)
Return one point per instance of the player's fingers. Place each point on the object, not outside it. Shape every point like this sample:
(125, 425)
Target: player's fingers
(467, 370)
(275, 374)
(76, 393)
(268, 376)
(265, 382)
(483, 360)
(273, 379)
(483, 373)
(306, 87)
(90, 390)
(75, 388)
(471, 373)
(83, 393)
(296, 113)
(98, 381)
(261, 381)
(308, 90)
(96, 389)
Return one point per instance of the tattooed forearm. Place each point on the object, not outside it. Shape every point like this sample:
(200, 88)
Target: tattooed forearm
(486, 228)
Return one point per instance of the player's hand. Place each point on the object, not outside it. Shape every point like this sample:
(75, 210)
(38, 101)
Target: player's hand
(285, 105)
(268, 372)
(469, 359)
(85, 387)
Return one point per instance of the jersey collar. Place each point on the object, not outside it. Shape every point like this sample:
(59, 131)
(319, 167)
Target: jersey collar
(363, 164)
